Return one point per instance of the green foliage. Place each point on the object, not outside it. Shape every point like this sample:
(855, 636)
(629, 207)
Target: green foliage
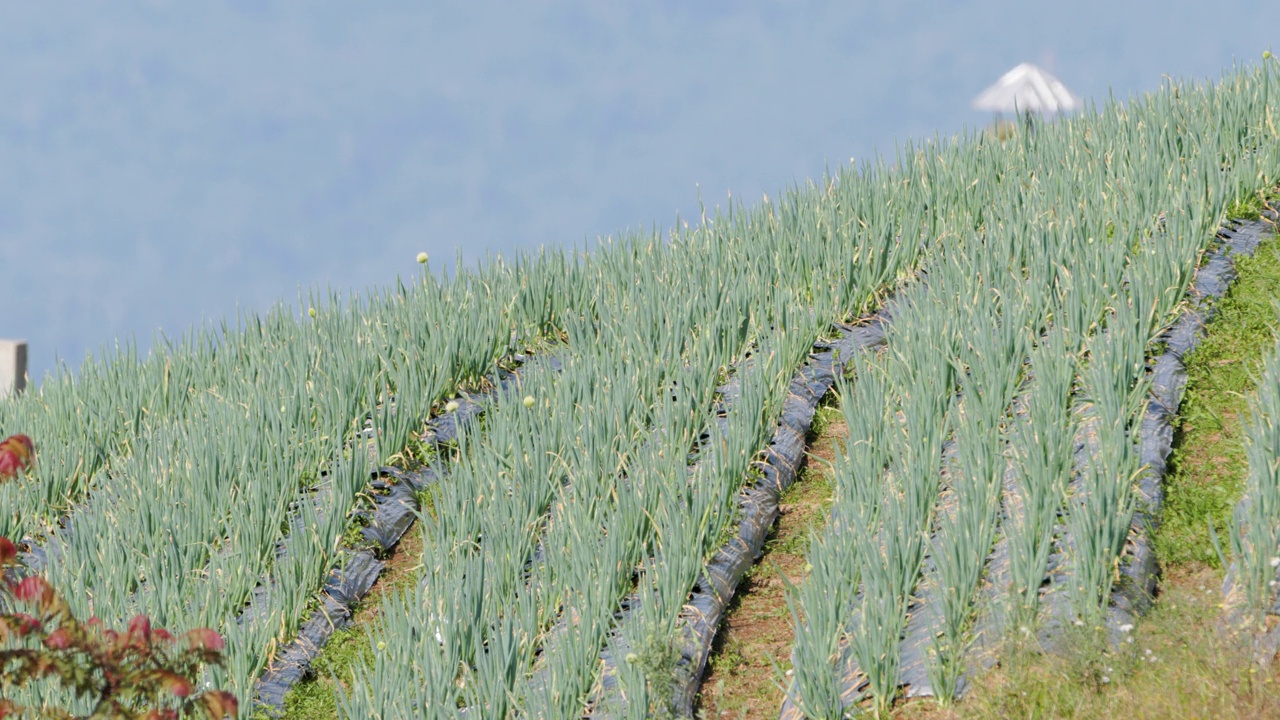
(1249, 207)
(656, 659)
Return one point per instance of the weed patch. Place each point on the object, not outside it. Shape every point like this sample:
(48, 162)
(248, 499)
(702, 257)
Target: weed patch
(1207, 467)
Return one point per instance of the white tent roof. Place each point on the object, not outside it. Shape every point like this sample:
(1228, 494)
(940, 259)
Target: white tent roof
(1027, 88)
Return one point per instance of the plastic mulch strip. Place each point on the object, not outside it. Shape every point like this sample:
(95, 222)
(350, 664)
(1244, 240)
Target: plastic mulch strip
(1131, 596)
(758, 507)
(395, 509)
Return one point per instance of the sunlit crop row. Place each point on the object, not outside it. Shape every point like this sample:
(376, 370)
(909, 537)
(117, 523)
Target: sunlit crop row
(629, 480)
(517, 602)
(182, 517)
(1026, 335)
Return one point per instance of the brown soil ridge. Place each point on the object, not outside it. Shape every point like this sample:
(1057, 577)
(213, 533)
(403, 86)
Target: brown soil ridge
(752, 649)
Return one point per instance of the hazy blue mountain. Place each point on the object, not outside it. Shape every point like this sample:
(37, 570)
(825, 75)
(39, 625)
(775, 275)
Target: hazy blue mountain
(161, 162)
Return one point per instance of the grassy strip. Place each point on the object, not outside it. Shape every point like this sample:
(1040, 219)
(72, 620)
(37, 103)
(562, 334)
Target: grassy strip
(316, 696)
(1207, 468)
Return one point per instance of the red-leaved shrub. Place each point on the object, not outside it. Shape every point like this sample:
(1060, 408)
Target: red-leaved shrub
(134, 674)
(17, 452)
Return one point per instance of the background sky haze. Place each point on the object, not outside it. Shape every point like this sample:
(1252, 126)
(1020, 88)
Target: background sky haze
(164, 163)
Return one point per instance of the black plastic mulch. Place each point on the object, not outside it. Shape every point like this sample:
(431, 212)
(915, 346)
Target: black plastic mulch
(1133, 593)
(758, 509)
(395, 509)
(759, 503)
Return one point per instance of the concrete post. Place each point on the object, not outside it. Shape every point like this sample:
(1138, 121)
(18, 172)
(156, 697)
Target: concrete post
(13, 367)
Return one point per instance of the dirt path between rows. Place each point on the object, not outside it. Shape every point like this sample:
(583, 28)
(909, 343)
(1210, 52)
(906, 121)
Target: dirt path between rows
(314, 697)
(741, 680)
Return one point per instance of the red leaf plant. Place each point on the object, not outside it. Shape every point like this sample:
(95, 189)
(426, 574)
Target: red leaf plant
(17, 452)
(143, 673)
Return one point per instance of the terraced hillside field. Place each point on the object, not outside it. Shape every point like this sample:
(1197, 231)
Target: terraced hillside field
(586, 448)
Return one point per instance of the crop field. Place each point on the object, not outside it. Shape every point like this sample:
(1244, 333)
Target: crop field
(614, 411)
